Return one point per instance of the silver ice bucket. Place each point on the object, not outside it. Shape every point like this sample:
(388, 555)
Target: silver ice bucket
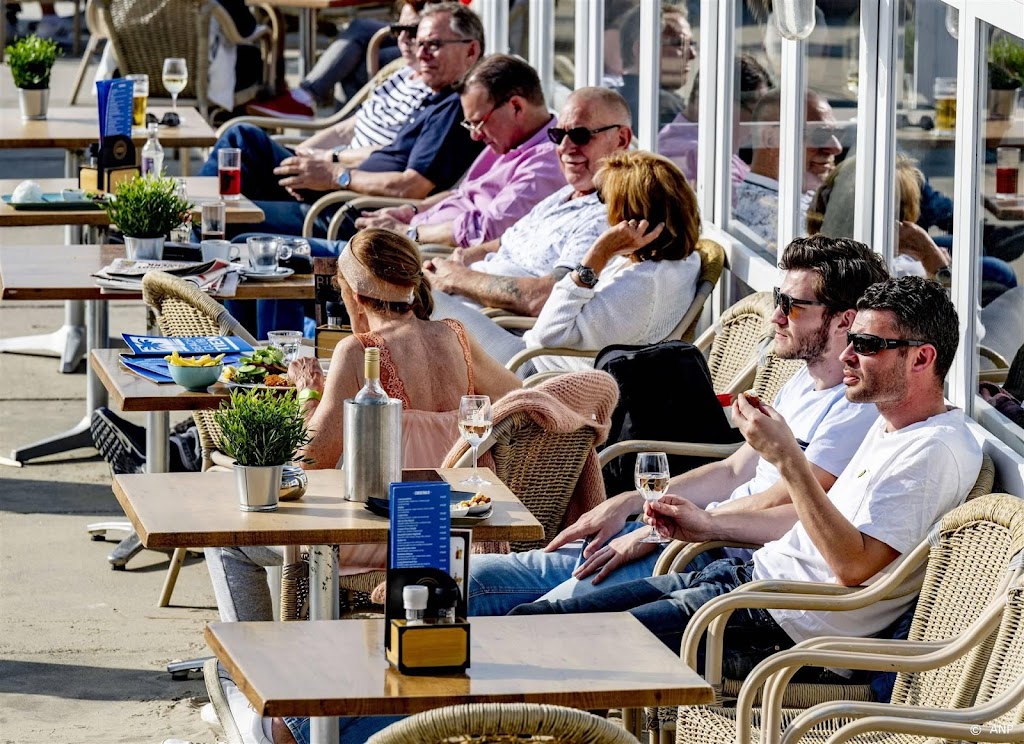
(373, 449)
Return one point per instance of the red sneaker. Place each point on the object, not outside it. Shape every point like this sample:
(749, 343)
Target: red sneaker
(282, 107)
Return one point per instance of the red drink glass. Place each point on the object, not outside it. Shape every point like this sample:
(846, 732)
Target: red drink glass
(229, 172)
(1007, 172)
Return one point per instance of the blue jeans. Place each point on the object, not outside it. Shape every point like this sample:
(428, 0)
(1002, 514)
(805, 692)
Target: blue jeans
(352, 730)
(344, 61)
(499, 583)
(665, 604)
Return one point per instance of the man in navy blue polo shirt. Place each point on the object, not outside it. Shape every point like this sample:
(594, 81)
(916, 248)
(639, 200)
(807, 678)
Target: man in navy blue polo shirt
(429, 154)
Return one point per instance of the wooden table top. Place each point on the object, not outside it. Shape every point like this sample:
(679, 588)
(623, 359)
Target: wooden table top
(1005, 209)
(337, 667)
(64, 272)
(75, 128)
(200, 510)
(997, 132)
(201, 189)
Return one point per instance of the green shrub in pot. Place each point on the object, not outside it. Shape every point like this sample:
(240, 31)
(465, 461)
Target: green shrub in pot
(146, 209)
(31, 61)
(262, 428)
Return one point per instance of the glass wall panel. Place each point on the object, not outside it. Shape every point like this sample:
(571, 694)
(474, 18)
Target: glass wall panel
(1001, 255)
(565, 51)
(829, 121)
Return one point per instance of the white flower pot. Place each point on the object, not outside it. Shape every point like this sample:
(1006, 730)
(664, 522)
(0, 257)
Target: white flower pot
(258, 487)
(33, 103)
(144, 249)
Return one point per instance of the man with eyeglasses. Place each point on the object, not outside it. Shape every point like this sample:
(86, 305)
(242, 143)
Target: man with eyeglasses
(429, 152)
(917, 462)
(503, 107)
(756, 199)
(517, 271)
(814, 309)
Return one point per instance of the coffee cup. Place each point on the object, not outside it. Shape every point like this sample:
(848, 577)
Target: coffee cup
(264, 252)
(222, 249)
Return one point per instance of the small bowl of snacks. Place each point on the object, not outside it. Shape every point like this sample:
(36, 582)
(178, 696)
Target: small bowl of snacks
(195, 374)
(471, 507)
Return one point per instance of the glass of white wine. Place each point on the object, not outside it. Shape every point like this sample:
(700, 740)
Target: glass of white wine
(475, 426)
(651, 478)
(175, 78)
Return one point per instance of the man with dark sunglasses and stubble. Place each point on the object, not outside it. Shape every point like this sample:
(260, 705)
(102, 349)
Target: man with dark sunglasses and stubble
(517, 271)
(814, 309)
(917, 462)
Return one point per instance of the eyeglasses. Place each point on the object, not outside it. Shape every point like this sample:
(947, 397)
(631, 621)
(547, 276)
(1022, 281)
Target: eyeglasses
(820, 136)
(434, 45)
(787, 304)
(397, 29)
(170, 119)
(578, 135)
(474, 127)
(864, 344)
(678, 42)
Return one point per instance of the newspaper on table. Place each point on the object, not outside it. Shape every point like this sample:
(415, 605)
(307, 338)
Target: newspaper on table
(125, 274)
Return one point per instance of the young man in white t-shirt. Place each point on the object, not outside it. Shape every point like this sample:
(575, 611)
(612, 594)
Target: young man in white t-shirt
(814, 310)
(918, 461)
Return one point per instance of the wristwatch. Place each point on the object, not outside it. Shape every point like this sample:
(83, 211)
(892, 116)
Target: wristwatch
(413, 233)
(345, 178)
(944, 275)
(586, 275)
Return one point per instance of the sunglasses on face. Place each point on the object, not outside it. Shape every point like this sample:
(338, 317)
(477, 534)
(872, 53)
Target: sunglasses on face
(397, 29)
(787, 304)
(864, 344)
(170, 119)
(578, 135)
(434, 45)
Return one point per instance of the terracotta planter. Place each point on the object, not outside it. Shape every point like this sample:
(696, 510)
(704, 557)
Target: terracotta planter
(258, 487)
(33, 103)
(144, 249)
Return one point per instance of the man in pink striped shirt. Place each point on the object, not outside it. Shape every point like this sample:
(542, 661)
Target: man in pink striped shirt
(504, 108)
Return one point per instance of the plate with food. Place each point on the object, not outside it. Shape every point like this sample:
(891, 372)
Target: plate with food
(467, 504)
(264, 368)
(29, 196)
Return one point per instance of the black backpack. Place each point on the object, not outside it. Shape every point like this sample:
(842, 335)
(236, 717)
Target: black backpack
(665, 393)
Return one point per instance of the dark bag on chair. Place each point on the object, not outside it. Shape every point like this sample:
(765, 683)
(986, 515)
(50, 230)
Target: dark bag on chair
(665, 393)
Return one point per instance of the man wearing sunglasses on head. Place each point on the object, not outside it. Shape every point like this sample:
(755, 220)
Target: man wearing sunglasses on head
(917, 462)
(756, 198)
(517, 271)
(814, 309)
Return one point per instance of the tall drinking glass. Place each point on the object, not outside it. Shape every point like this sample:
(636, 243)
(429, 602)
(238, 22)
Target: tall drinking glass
(651, 478)
(229, 172)
(288, 342)
(475, 426)
(213, 221)
(175, 78)
(140, 96)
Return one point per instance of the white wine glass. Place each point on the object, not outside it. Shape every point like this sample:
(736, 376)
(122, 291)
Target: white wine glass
(475, 426)
(175, 78)
(651, 478)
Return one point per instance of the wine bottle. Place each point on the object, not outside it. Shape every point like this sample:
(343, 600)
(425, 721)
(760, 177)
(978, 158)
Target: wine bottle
(372, 393)
(153, 155)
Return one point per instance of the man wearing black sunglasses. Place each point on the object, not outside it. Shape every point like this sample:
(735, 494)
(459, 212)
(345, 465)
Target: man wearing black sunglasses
(756, 199)
(917, 462)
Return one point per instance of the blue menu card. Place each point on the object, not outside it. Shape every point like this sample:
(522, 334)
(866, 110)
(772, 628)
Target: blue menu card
(420, 516)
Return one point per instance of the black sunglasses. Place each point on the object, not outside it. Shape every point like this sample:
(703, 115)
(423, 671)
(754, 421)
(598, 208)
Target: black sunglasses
(170, 119)
(397, 29)
(578, 135)
(786, 303)
(865, 344)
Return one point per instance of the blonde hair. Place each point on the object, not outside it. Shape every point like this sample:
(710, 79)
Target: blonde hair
(644, 186)
(393, 259)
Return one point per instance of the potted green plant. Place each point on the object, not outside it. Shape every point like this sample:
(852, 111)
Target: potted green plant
(262, 430)
(1005, 76)
(146, 209)
(31, 60)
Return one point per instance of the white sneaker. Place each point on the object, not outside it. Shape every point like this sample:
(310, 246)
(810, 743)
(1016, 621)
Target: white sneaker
(240, 721)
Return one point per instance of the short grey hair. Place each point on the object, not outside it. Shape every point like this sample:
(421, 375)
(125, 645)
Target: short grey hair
(462, 21)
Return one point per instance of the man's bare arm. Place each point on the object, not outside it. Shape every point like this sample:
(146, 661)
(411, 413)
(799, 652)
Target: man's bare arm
(337, 136)
(407, 183)
(440, 232)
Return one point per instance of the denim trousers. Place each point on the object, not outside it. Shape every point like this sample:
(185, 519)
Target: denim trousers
(351, 730)
(665, 604)
(344, 61)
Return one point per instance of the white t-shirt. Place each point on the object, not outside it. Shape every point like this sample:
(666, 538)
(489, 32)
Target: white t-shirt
(832, 426)
(896, 487)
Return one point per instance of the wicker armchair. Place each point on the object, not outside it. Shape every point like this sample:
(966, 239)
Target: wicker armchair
(968, 561)
(712, 261)
(182, 309)
(144, 32)
(998, 710)
(499, 723)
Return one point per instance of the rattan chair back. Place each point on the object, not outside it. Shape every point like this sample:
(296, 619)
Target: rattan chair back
(772, 373)
(739, 336)
(182, 309)
(504, 723)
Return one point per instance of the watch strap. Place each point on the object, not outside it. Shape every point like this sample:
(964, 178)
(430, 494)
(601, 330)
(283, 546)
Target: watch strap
(586, 275)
